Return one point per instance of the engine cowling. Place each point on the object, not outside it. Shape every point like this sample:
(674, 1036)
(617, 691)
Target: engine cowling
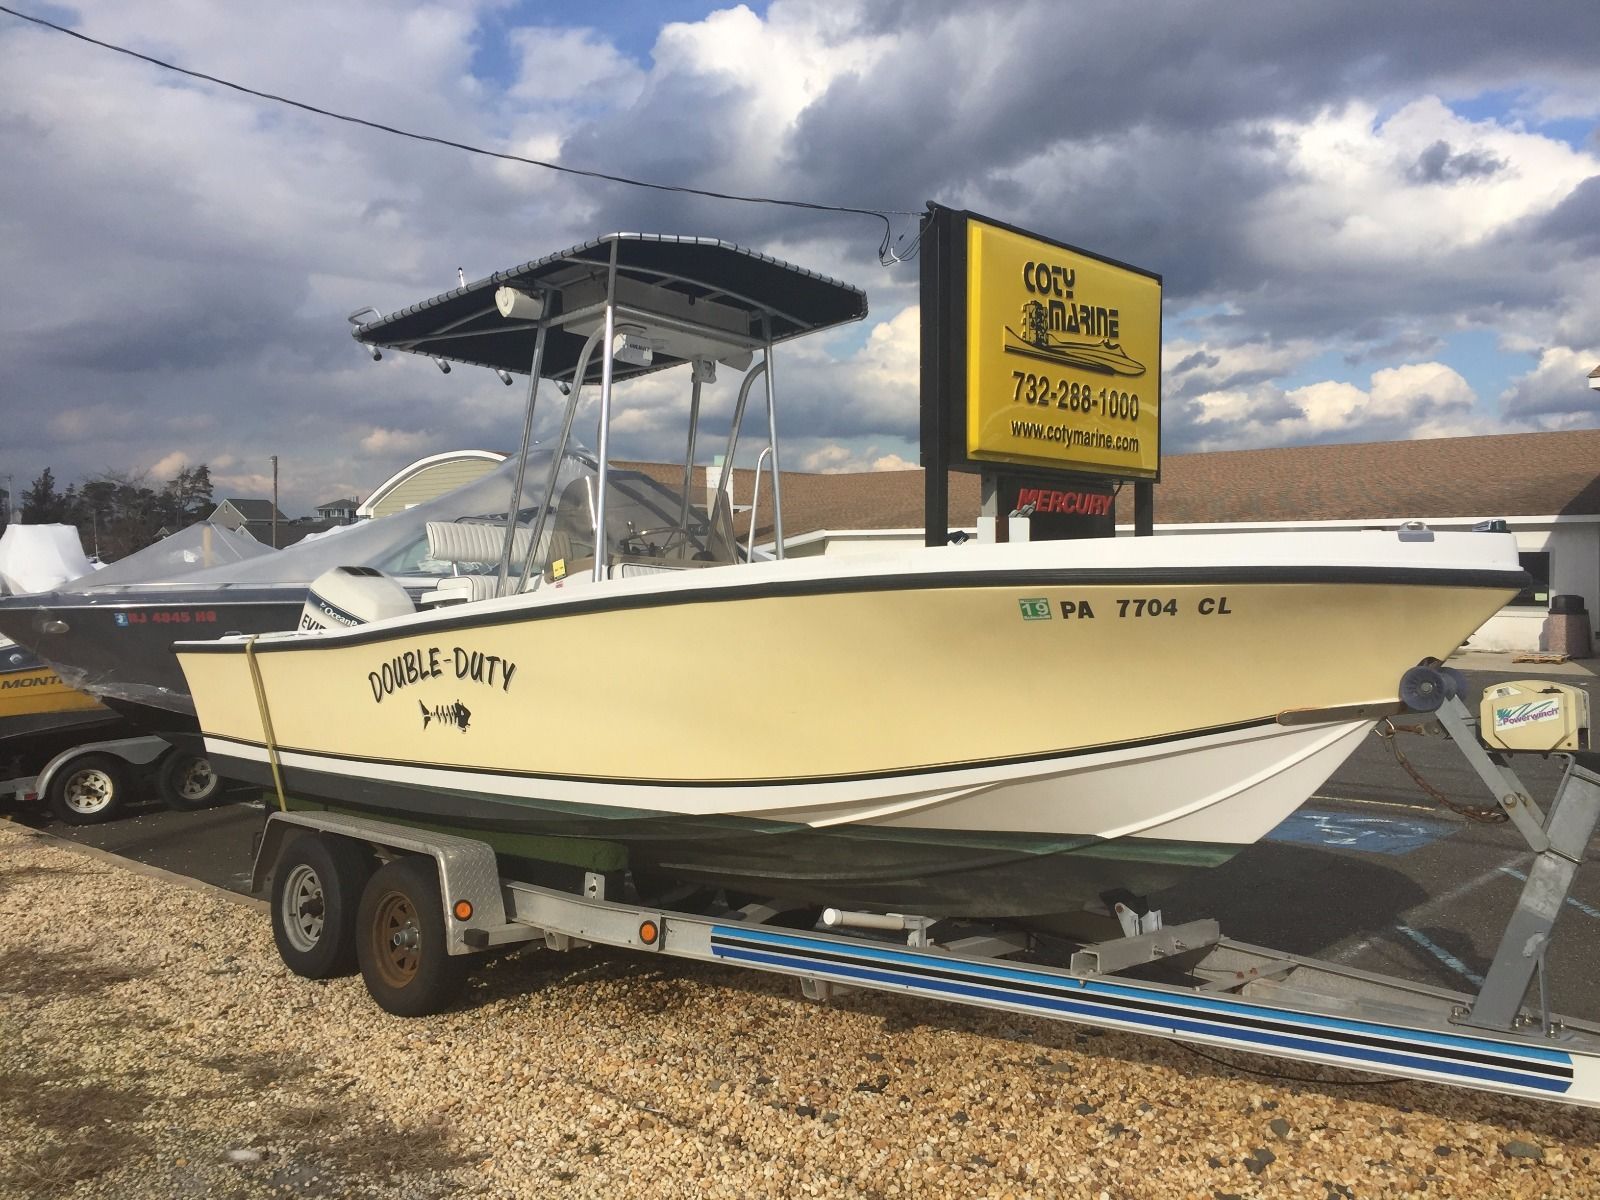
(349, 596)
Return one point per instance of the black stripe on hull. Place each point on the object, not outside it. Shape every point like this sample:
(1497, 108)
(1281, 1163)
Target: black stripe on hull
(908, 772)
(1511, 581)
(933, 872)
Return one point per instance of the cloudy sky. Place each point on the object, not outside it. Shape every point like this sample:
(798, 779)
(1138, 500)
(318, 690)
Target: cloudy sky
(1374, 220)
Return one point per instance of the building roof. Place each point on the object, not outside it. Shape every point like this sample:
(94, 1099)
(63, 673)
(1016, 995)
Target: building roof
(341, 502)
(1505, 475)
(289, 532)
(254, 510)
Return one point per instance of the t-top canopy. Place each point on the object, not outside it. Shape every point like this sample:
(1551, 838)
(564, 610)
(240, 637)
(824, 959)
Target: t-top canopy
(692, 297)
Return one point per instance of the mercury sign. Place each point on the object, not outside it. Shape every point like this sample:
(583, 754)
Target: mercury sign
(1059, 506)
(1063, 357)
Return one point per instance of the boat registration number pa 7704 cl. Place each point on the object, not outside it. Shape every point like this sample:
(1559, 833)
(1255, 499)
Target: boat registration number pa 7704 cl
(1037, 608)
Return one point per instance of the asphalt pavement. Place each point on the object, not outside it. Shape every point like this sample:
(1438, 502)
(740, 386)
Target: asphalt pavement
(1370, 872)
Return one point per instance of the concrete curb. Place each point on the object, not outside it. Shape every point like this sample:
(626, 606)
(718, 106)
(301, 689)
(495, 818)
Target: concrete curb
(138, 868)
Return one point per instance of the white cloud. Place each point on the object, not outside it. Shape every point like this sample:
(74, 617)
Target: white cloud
(389, 441)
(772, 68)
(176, 260)
(1200, 366)
(243, 486)
(1412, 401)
(834, 458)
(1556, 393)
(1365, 192)
(828, 460)
(570, 64)
(169, 465)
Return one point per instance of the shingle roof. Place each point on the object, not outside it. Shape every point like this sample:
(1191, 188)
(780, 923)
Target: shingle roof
(1509, 475)
(1505, 475)
(254, 510)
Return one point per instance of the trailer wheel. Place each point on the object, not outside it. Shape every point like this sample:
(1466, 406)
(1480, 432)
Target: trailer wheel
(89, 789)
(401, 941)
(186, 782)
(316, 889)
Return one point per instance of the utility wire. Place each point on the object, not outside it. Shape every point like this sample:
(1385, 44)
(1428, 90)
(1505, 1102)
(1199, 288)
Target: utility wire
(885, 256)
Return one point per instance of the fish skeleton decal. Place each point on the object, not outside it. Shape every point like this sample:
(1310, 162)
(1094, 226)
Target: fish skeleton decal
(457, 714)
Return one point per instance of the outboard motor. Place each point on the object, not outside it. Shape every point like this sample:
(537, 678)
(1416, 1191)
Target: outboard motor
(347, 596)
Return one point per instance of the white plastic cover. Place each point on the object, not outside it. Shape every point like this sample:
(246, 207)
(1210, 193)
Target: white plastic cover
(199, 546)
(396, 544)
(36, 558)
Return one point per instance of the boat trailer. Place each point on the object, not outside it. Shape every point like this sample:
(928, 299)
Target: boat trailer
(438, 898)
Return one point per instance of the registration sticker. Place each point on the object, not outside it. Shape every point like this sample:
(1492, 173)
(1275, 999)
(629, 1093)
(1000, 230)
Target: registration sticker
(1035, 609)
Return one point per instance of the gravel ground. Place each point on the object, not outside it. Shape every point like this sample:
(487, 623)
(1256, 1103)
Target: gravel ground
(152, 1045)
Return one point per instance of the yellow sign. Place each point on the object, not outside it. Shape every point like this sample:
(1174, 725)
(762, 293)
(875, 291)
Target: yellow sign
(1063, 357)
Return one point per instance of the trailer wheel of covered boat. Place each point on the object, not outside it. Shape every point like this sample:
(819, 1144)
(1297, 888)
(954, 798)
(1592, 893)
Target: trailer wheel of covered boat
(316, 891)
(186, 782)
(401, 940)
(89, 788)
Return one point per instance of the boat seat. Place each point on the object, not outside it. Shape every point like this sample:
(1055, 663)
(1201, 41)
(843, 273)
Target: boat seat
(461, 589)
(477, 542)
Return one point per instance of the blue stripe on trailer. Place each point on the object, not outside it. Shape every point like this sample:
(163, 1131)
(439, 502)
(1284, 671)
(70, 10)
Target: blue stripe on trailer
(1529, 1067)
(1218, 1030)
(1055, 980)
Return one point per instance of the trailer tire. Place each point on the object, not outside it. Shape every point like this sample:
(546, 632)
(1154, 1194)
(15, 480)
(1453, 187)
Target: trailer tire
(401, 940)
(316, 890)
(186, 781)
(89, 789)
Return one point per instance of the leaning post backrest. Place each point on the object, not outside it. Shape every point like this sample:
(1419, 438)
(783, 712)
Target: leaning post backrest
(461, 542)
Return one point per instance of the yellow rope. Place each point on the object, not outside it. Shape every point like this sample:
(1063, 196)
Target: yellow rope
(266, 723)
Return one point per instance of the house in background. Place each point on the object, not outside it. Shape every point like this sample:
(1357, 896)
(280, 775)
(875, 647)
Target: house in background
(255, 517)
(339, 512)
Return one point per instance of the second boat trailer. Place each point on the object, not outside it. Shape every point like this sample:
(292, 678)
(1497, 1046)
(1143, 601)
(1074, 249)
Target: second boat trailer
(413, 922)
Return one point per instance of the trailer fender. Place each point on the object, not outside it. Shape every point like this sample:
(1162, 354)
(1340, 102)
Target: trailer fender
(469, 873)
(138, 752)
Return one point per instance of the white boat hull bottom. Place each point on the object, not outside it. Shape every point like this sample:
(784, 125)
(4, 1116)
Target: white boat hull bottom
(1016, 839)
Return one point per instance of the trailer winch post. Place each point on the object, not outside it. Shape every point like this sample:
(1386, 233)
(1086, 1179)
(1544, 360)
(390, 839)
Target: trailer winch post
(1558, 842)
(1573, 817)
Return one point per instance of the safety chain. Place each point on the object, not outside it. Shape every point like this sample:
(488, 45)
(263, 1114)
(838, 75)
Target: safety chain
(1386, 730)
